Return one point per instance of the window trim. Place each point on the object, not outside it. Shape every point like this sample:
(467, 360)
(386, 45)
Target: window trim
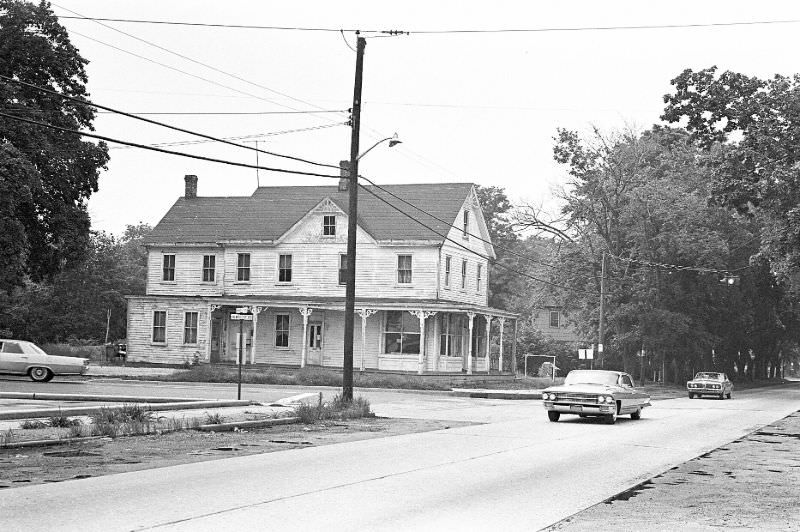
(165, 268)
(288, 345)
(557, 320)
(153, 327)
(447, 267)
(187, 328)
(211, 268)
(328, 230)
(240, 269)
(397, 281)
(290, 269)
(464, 270)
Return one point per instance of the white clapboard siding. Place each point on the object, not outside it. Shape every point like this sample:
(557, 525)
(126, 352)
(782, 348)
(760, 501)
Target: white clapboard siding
(140, 331)
(188, 272)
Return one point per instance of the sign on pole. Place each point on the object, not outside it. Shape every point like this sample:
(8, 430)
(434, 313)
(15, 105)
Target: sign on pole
(242, 317)
(586, 354)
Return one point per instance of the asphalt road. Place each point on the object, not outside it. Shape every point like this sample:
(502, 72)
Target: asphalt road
(514, 471)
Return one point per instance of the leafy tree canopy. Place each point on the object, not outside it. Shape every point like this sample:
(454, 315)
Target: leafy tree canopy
(46, 176)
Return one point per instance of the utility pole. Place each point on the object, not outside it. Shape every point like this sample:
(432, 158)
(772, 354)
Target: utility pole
(352, 215)
(601, 333)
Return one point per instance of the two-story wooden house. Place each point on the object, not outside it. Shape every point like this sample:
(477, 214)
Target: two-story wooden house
(277, 258)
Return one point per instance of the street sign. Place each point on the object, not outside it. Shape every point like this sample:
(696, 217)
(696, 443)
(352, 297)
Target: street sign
(242, 317)
(242, 310)
(586, 354)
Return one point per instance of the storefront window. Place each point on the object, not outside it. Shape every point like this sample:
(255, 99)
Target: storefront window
(401, 333)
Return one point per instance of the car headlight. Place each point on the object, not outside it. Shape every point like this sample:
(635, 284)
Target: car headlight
(715, 386)
(552, 397)
(546, 396)
(609, 399)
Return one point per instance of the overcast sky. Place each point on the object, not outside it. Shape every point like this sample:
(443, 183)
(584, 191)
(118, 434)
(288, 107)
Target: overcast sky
(479, 108)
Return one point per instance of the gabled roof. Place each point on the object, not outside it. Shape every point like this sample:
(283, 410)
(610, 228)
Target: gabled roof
(271, 211)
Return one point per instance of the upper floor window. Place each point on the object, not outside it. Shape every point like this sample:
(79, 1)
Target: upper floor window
(447, 261)
(554, 318)
(463, 274)
(478, 275)
(285, 269)
(209, 268)
(190, 328)
(404, 269)
(168, 270)
(243, 267)
(342, 269)
(160, 326)
(282, 330)
(329, 225)
(466, 225)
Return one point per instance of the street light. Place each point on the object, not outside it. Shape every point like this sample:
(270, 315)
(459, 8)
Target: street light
(394, 140)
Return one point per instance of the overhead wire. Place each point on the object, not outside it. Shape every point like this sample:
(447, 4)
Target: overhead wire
(162, 150)
(161, 124)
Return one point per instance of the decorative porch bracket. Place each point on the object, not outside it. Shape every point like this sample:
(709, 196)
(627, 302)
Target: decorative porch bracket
(422, 315)
(364, 313)
(305, 312)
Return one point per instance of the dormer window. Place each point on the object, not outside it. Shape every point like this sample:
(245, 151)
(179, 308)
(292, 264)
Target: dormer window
(329, 225)
(466, 225)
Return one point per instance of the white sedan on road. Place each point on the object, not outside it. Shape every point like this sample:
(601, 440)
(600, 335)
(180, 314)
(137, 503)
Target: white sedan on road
(18, 357)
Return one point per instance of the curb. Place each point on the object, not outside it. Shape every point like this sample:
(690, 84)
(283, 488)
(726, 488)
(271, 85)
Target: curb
(87, 410)
(227, 427)
(498, 394)
(90, 397)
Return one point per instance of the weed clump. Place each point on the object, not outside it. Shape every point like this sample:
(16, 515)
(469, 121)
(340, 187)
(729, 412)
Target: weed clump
(336, 408)
(63, 421)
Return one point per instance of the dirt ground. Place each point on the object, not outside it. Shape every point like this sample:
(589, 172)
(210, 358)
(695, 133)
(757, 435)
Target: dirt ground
(38, 465)
(750, 484)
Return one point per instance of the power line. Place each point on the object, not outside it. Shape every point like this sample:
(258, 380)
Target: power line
(195, 61)
(459, 244)
(162, 124)
(450, 31)
(207, 113)
(161, 150)
(449, 224)
(676, 267)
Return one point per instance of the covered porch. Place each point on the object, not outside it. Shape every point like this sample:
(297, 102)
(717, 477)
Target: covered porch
(407, 336)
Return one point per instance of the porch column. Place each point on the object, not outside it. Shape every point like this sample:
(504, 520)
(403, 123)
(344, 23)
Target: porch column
(471, 316)
(514, 347)
(364, 313)
(502, 322)
(488, 343)
(255, 311)
(437, 339)
(421, 315)
(305, 312)
(211, 309)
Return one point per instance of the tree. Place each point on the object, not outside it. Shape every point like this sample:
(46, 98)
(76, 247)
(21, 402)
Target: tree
(46, 176)
(751, 129)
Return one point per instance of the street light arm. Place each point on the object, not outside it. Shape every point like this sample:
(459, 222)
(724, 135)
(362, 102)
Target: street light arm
(393, 141)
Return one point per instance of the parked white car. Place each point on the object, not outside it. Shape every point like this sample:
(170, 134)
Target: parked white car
(18, 357)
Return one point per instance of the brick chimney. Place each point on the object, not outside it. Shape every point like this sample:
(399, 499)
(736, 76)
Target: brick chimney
(344, 175)
(191, 186)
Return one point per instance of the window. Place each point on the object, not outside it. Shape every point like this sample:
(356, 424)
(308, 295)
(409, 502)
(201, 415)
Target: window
(282, 330)
(243, 267)
(160, 326)
(401, 333)
(404, 269)
(625, 380)
(554, 317)
(285, 269)
(169, 268)
(190, 328)
(478, 275)
(454, 329)
(209, 267)
(463, 274)
(447, 261)
(329, 225)
(342, 269)
(466, 225)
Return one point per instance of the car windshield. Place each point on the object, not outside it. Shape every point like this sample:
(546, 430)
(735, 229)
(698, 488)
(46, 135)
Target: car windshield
(709, 376)
(591, 377)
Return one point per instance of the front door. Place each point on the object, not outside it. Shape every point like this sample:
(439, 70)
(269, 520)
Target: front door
(216, 340)
(315, 343)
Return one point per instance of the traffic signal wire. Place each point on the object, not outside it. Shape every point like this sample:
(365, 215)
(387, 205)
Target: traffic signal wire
(161, 150)
(162, 124)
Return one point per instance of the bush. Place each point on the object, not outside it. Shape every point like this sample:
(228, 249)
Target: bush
(63, 421)
(335, 409)
(33, 424)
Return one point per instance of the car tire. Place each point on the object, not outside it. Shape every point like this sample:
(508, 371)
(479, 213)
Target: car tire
(636, 415)
(722, 397)
(40, 374)
(729, 395)
(553, 416)
(691, 395)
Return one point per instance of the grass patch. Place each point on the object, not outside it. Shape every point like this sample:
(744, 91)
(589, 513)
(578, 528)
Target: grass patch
(336, 408)
(215, 419)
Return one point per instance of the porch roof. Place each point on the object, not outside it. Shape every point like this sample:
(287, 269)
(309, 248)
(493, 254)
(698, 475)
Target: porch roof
(337, 303)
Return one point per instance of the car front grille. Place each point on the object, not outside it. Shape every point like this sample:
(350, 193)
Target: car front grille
(575, 398)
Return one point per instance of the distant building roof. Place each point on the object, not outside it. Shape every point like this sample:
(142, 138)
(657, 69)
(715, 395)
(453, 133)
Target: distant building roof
(271, 211)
